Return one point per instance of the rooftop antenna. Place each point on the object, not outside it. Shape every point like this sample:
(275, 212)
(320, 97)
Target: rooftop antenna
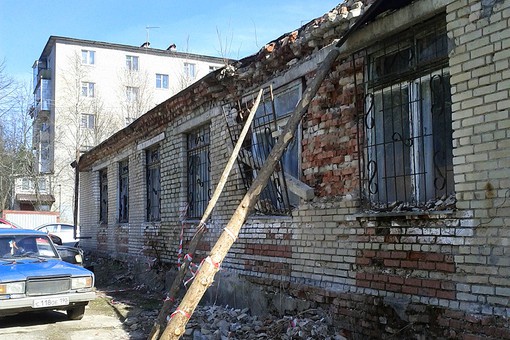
(148, 28)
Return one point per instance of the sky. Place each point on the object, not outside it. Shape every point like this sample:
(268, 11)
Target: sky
(223, 28)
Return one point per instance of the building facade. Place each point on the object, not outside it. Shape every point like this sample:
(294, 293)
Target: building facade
(390, 206)
(85, 91)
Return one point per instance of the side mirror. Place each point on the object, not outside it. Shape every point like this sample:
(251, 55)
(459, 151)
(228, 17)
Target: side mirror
(57, 240)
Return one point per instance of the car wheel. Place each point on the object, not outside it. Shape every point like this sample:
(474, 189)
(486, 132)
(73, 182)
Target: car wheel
(76, 313)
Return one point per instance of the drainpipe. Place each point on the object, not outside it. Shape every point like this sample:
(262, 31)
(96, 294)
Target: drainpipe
(74, 165)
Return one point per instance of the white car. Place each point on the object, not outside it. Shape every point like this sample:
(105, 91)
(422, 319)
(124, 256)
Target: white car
(62, 230)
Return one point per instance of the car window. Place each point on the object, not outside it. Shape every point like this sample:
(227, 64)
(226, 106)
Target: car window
(26, 246)
(67, 229)
(48, 229)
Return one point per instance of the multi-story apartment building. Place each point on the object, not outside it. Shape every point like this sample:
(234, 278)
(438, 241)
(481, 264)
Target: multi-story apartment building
(86, 90)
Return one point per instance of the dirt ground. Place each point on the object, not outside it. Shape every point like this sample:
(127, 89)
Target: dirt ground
(126, 309)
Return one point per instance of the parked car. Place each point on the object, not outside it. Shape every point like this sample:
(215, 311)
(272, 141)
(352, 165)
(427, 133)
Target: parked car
(63, 230)
(34, 277)
(69, 254)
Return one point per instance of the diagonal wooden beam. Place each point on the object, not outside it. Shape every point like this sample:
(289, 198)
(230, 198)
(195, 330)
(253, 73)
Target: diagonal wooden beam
(201, 228)
(205, 276)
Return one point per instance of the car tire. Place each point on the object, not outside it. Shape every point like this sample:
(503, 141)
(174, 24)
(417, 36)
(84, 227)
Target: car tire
(76, 313)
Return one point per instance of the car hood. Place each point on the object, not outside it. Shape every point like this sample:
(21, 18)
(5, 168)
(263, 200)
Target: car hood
(27, 268)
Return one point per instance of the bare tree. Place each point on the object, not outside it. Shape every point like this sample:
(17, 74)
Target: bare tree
(81, 122)
(7, 90)
(135, 94)
(16, 157)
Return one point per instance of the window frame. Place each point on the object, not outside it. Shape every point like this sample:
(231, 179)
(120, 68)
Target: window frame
(198, 165)
(88, 57)
(88, 89)
(153, 183)
(162, 81)
(407, 91)
(132, 62)
(132, 94)
(276, 198)
(88, 121)
(123, 191)
(103, 196)
(190, 70)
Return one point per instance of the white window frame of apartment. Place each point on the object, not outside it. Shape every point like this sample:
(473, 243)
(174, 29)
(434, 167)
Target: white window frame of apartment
(190, 70)
(88, 89)
(26, 184)
(42, 184)
(88, 57)
(162, 81)
(88, 121)
(132, 62)
(132, 94)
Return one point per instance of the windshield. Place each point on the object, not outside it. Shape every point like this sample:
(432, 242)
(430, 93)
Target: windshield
(15, 246)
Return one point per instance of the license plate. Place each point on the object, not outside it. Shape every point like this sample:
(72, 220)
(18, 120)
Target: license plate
(43, 303)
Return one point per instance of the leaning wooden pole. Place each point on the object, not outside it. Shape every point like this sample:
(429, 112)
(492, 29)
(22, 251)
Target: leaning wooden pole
(205, 276)
(201, 228)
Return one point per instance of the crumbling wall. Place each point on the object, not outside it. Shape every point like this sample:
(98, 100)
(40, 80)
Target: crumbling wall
(442, 272)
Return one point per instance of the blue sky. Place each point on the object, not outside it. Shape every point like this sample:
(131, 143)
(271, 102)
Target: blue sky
(195, 26)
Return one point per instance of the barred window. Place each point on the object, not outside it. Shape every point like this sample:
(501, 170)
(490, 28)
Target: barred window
(407, 121)
(123, 191)
(153, 181)
(270, 119)
(103, 196)
(199, 168)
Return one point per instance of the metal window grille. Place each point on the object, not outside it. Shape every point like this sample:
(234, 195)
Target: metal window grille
(404, 125)
(103, 196)
(153, 180)
(199, 170)
(270, 118)
(124, 191)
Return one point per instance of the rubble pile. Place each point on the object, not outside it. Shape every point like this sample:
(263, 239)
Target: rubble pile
(221, 323)
(439, 204)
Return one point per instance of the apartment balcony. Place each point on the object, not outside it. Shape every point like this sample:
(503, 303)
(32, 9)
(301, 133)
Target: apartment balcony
(42, 98)
(44, 136)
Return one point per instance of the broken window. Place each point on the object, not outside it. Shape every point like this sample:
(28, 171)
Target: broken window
(270, 119)
(103, 196)
(407, 120)
(153, 184)
(199, 169)
(124, 191)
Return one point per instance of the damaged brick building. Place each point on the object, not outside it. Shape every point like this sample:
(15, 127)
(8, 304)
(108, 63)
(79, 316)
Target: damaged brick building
(389, 208)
